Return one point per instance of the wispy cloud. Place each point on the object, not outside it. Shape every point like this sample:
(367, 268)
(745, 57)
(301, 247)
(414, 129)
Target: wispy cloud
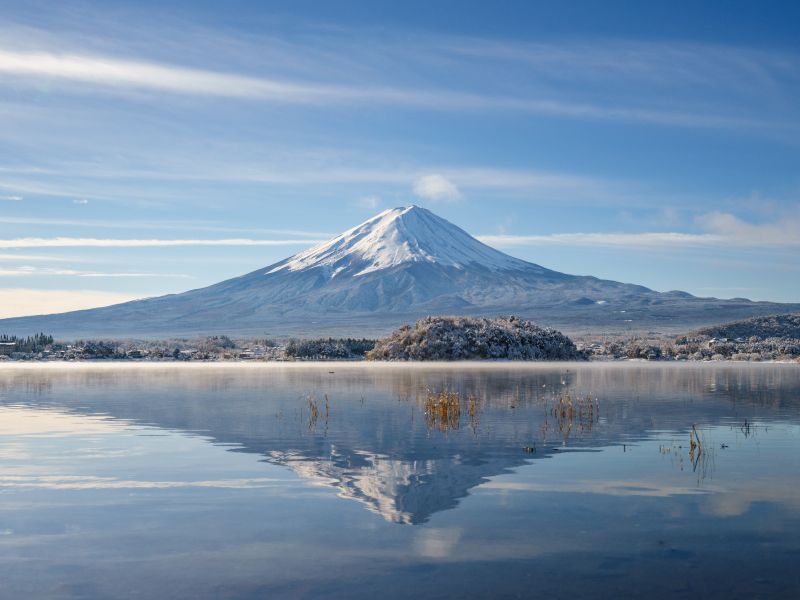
(640, 240)
(26, 271)
(93, 482)
(33, 258)
(11, 198)
(371, 202)
(114, 72)
(100, 72)
(67, 242)
(785, 232)
(359, 170)
(165, 225)
(721, 229)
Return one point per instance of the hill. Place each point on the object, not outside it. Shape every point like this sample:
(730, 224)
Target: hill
(770, 326)
(466, 338)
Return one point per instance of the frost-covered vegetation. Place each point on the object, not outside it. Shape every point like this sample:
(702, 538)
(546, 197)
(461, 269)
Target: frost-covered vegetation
(774, 337)
(772, 326)
(469, 338)
(328, 348)
(695, 348)
(442, 338)
(206, 348)
(31, 343)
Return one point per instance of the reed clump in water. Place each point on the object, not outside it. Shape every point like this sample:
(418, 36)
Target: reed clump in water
(696, 449)
(581, 410)
(443, 410)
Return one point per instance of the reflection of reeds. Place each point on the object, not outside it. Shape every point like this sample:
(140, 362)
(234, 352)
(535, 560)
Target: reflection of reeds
(313, 413)
(472, 412)
(698, 455)
(702, 457)
(694, 441)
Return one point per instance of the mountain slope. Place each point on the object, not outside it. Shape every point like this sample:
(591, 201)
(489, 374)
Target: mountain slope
(400, 265)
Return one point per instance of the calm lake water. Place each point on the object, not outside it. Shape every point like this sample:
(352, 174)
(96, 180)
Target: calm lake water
(243, 482)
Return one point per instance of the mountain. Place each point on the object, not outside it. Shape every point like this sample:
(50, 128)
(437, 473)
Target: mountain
(399, 265)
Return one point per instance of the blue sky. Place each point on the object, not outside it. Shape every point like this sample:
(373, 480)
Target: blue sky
(147, 149)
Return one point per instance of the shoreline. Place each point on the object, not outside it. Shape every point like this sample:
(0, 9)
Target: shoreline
(371, 365)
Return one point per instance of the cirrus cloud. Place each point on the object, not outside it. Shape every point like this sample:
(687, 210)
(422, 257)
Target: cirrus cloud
(70, 242)
(718, 229)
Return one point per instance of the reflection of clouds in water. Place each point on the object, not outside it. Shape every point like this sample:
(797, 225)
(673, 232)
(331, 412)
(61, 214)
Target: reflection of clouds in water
(437, 542)
(739, 497)
(90, 482)
(609, 488)
(47, 422)
(15, 451)
(728, 505)
(100, 452)
(733, 499)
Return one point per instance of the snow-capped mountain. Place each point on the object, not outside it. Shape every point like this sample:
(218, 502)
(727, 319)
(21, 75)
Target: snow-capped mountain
(395, 237)
(400, 265)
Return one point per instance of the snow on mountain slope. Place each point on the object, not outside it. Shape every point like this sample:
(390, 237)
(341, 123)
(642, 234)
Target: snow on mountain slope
(397, 236)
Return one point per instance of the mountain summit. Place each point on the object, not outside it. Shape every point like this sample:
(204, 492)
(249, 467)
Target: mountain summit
(400, 265)
(400, 236)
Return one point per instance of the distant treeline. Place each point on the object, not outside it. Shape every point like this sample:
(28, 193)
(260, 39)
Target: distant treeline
(685, 348)
(773, 337)
(31, 343)
(328, 348)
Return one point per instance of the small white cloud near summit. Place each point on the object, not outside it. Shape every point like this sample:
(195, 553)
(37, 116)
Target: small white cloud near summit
(437, 188)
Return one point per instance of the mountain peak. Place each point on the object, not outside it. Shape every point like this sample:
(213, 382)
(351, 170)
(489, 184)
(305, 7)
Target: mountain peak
(397, 236)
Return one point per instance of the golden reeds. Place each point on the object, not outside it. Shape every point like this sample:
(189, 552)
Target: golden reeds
(567, 411)
(443, 410)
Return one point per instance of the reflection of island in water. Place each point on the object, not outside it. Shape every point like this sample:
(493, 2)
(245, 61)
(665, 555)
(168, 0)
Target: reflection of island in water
(366, 433)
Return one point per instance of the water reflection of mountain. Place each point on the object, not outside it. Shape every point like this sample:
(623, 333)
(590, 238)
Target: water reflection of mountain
(375, 445)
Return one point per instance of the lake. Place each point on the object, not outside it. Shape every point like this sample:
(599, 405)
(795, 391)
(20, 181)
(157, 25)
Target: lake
(350, 481)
